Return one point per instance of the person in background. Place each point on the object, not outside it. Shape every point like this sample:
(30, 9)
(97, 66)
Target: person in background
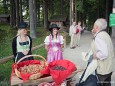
(83, 29)
(22, 43)
(103, 51)
(72, 34)
(53, 44)
(78, 35)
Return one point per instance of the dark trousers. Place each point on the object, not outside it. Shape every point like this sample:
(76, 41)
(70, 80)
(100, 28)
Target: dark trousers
(105, 80)
(21, 55)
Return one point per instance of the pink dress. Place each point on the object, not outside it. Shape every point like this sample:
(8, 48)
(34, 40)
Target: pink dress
(55, 51)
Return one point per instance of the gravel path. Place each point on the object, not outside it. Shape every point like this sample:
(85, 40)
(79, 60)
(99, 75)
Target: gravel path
(75, 55)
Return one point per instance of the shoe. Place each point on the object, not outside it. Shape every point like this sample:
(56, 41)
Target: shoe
(78, 45)
(72, 47)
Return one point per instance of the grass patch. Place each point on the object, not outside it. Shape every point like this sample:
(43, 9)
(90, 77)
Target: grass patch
(6, 35)
(5, 70)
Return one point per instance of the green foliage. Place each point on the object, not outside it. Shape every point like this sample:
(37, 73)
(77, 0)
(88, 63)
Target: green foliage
(91, 10)
(4, 6)
(57, 7)
(5, 71)
(1, 10)
(68, 40)
(41, 34)
(79, 6)
(40, 51)
(6, 35)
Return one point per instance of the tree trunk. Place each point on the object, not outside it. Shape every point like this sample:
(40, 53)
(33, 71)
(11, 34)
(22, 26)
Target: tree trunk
(110, 7)
(107, 14)
(77, 15)
(61, 8)
(84, 15)
(98, 10)
(45, 4)
(38, 13)
(75, 11)
(35, 13)
(21, 17)
(17, 12)
(51, 7)
(71, 12)
(14, 13)
(5, 6)
(11, 13)
(32, 25)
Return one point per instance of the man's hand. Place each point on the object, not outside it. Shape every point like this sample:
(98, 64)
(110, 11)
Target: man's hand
(94, 56)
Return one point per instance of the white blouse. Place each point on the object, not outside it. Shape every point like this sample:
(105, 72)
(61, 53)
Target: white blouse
(47, 40)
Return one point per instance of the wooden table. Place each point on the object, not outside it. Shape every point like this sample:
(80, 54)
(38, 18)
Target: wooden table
(16, 81)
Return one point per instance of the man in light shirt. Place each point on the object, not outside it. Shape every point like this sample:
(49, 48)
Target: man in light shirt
(72, 31)
(103, 51)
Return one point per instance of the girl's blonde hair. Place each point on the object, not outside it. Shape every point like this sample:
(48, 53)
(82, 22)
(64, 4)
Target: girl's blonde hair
(19, 32)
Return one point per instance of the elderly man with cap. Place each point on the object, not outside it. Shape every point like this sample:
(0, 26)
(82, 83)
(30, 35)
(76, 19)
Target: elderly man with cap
(53, 44)
(103, 51)
(22, 43)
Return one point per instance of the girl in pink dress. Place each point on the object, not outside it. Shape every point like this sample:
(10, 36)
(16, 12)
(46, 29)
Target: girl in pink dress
(54, 44)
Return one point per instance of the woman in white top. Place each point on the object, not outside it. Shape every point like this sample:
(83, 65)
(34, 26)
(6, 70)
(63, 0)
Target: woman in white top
(22, 43)
(54, 44)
